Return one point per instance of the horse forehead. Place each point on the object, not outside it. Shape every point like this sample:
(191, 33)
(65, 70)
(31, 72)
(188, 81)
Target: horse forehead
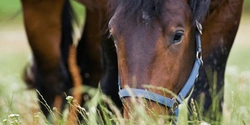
(172, 13)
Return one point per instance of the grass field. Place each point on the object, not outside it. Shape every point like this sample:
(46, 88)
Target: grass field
(14, 51)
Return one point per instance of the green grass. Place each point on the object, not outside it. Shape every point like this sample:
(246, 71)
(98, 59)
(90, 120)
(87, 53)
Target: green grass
(15, 99)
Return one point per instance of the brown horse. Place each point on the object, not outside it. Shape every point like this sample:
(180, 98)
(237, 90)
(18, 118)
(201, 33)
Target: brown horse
(49, 30)
(157, 43)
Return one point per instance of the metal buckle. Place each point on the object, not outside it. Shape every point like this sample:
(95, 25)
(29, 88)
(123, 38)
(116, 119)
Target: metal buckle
(199, 26)
(199, 56)
(175, 105)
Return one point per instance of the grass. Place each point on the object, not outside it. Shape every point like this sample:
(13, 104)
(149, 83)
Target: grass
(15, 99)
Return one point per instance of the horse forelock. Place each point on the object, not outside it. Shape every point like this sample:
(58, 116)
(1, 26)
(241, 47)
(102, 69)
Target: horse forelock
(148, 9)
(153, 8)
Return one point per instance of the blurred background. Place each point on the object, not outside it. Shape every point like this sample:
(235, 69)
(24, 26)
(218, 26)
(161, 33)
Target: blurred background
(14, 53)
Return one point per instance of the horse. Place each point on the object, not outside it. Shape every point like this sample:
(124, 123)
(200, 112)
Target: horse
(159, 43)
(49, 29)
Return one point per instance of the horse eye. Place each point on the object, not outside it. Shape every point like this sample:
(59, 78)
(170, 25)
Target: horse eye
(178, 36)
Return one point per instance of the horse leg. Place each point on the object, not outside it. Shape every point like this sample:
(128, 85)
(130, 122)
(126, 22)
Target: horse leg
(88, 53)
(217, 40)
(42, 19)
(95, 23)
(89, 58)
(88, 50)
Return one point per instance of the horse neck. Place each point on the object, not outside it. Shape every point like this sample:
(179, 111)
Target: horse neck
(221, 16)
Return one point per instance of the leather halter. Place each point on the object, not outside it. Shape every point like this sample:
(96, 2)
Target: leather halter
(172, 103)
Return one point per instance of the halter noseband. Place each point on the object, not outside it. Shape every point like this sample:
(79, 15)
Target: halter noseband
(174, 102)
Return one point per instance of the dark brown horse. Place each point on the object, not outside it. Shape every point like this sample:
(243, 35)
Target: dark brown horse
(49, 30)
(156, 43)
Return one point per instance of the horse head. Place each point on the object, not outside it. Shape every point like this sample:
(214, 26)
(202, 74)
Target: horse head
(156, 44)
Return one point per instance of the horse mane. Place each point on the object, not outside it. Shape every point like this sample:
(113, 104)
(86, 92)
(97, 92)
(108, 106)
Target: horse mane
(153, 8)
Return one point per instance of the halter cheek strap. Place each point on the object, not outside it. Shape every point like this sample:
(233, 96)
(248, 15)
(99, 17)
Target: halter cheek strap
(166, 101)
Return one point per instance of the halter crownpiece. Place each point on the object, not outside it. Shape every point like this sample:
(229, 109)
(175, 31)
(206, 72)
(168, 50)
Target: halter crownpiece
(172, 103)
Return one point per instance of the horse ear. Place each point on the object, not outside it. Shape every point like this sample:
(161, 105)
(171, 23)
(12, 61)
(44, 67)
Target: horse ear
(200, 9)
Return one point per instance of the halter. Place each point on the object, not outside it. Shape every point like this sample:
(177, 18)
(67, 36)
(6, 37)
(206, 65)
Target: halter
(172, 103)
